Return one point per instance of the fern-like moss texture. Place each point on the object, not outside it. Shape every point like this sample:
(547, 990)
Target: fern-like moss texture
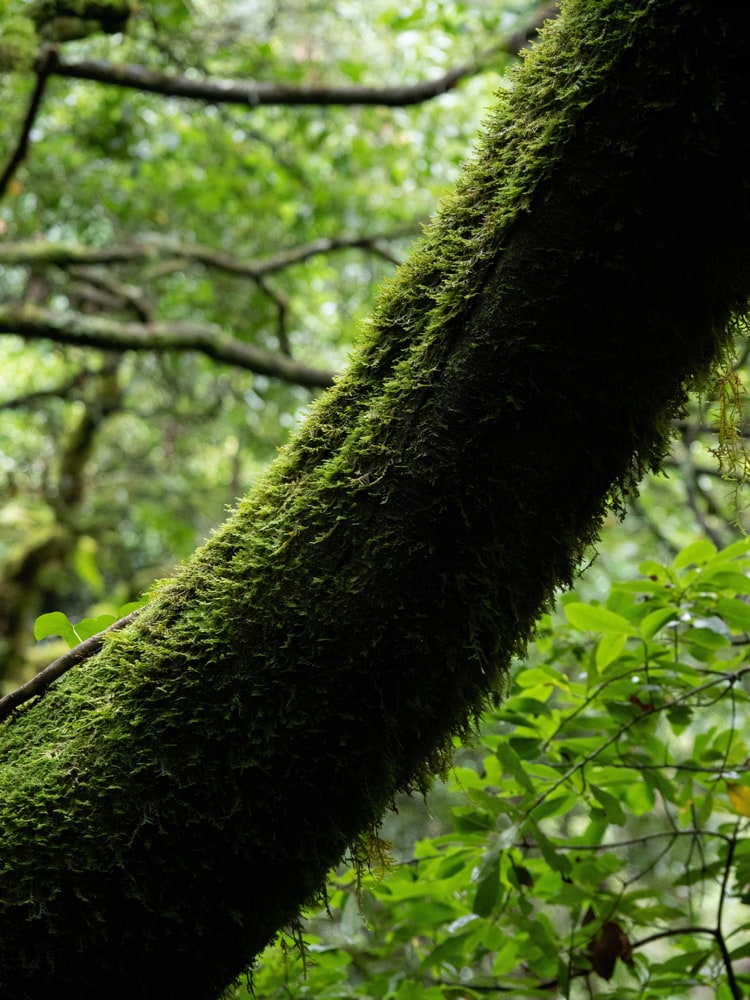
(172, 803)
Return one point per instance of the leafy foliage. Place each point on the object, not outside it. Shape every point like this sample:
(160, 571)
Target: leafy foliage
(198, 187)
(56, 623)
(598, 841)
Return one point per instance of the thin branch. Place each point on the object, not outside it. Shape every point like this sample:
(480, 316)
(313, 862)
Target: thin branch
(614, 845)
(258, 93)
(261, 93)
(33, 323)
(66, 390)
(715, 933)
(720, 941)
(693, 493)
(96, 281)
(494, 988)
(45, 65)
(64, 254)
(717, 677)
(285, 258)
(41, 681)
(673, 932)
(281, 301)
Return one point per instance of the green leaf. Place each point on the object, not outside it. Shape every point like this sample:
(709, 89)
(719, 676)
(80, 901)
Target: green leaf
(695, 555)
(488, 889)
(468, 820)
(728, 580)
(527, 747)
(538, 677)
(734, 612)
(84, 561)
(126, 609)
(706, 638)
(55, 623)
(656, 620)
(512, 764)
(557, 862)
(739, 548)
(609, 648)
(93, 626)
(591, 618)
(655, 572)
(680, 717)
(611, 806)
(555, 805)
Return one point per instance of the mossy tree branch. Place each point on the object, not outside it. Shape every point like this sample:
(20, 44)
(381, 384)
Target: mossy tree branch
(161, 255)
(170, 805)
(35, 323)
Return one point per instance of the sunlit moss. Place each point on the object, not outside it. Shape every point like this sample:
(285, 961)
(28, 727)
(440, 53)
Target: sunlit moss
(18, 43)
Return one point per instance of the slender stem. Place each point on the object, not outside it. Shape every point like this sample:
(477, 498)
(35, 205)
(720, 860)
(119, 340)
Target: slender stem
(41, 681)
(44, 67)
(720, 941)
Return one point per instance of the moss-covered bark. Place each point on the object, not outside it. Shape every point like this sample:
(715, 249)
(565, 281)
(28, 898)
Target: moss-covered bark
(171, 804)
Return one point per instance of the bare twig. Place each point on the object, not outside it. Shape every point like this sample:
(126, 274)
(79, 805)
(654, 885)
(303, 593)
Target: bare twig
(719, 934)
(715, 933)
(282, 304)
(45, 65)
(41, 681)
(259, 93)
(672, 932)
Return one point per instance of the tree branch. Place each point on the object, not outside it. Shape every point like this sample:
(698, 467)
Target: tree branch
(33, 323)
(257, 93)
(41, 681)
(66, 390)
(719, 934)
(716, 934)
(152, 246)
(44, 66)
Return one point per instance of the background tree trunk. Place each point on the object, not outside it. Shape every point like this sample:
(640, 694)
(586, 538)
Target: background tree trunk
(170, 804)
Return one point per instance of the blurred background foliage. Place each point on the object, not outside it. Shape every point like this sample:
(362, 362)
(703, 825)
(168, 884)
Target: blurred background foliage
(114, 464)
(139, 229)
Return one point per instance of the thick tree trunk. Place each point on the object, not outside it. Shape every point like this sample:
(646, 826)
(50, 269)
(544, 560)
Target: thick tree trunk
(170, 804)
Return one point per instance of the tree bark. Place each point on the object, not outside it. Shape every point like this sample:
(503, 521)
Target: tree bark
(169, 805)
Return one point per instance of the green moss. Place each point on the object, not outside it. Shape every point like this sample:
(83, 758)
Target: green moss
(66, 20)
(175, 801)
(18, 43)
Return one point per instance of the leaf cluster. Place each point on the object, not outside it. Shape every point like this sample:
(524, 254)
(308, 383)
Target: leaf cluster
(598, 844)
